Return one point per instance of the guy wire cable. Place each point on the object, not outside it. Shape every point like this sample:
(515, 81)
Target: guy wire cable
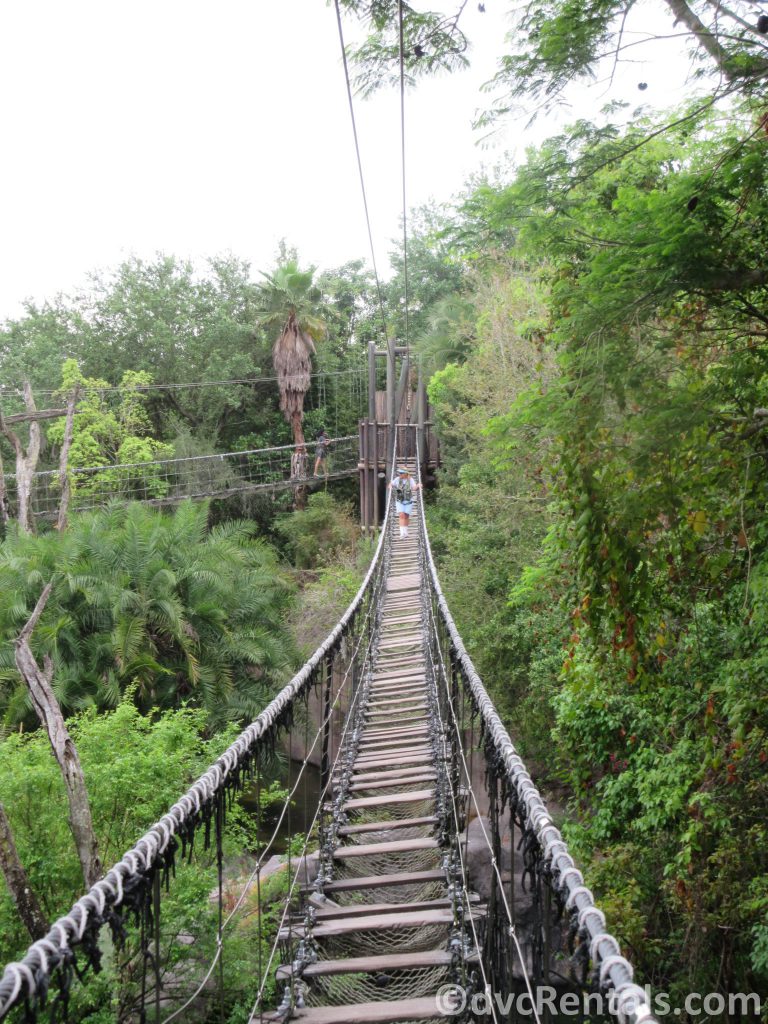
(402, 161)
(404, 208)
(360, 170)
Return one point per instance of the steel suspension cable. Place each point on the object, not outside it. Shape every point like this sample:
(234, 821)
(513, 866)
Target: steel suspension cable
(402, 168)
(360, 169)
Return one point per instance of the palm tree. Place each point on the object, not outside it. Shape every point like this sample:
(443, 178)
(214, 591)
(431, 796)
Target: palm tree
(450, 329)
(288, 302)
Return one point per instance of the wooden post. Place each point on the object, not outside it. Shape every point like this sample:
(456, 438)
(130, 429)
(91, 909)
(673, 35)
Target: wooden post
(372, 381)
(391, 413)
(422, 416)
(401, 386)
(364, 475)
(371, 477)
(375, 477)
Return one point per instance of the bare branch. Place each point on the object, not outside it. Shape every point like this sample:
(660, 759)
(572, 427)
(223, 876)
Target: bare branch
(22, 893)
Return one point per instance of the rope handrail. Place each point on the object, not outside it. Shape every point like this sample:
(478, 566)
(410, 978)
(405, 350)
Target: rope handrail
(29, 978)
(614, 970)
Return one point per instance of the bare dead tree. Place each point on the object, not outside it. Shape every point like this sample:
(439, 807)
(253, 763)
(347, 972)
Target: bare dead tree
(22, 893)
(26, 461)
(64, 480)
(48, 711)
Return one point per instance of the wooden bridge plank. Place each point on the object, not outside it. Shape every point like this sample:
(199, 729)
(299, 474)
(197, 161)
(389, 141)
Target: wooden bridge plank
(379, 849)
(382, 826)
(391, 749)
(412, 797)
(375, 923)
(423, 1008)
(382, 881)
(411, 676)
(393, 775)
(399, 701)
(377, 732)
(374, 964)
(409, 780)
(411, 759)
(369, 909)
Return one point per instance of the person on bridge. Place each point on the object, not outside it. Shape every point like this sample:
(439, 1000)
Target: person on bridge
(321, 452)
(405, 487)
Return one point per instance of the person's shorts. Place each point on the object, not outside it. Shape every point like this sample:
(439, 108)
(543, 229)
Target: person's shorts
(405, 506)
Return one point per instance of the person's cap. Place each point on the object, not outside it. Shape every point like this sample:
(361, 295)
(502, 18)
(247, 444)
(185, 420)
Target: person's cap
(403, 469)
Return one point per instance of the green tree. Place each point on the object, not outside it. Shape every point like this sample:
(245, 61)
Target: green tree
(163, 317)
(112, 432)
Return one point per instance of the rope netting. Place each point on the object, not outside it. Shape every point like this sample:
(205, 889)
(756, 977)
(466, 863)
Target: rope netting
(369, 988)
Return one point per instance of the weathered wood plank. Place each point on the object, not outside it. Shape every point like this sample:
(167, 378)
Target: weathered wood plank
(411, 759)
(423, 1008)
(382, 826)
(381, 881)
(369, 909)
(374, 923)
(375, 964)
(378, 849)
(390, 748)
(393, 775)
(411, 780)
(415, 796)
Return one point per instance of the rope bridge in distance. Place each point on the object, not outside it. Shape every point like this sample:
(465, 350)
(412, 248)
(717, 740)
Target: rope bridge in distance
(431, 875)
(167, 481)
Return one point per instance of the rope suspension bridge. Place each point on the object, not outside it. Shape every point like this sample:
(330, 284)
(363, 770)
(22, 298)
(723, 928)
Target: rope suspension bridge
(431, 875)
(167, 481)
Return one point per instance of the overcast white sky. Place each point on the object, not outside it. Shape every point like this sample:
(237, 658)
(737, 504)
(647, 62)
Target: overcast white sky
(198, 128)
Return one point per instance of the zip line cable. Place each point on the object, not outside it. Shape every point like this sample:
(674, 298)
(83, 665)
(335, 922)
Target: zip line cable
(360, 169)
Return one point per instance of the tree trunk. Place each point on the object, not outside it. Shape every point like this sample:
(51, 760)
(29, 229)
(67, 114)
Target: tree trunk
(16, 879)
(299, 461)
(49, 712)
(64, 481)
(26, 462)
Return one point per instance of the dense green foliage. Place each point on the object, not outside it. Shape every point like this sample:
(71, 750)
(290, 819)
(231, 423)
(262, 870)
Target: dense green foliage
(628, 651)
(162, 322)
(155, 602)
(136, 766)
